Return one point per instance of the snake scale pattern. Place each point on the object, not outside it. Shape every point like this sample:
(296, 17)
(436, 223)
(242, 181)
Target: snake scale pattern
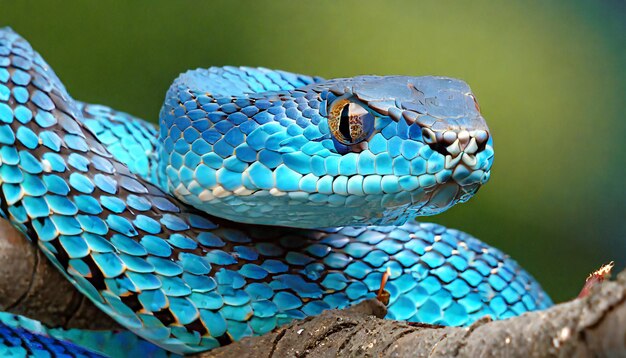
(206, 230)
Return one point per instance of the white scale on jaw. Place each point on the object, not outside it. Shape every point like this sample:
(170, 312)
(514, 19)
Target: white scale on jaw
(456, 153)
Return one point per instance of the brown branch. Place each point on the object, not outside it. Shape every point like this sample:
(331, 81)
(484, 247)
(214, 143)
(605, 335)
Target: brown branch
(594, 325)
(591, 326)
(31, 286)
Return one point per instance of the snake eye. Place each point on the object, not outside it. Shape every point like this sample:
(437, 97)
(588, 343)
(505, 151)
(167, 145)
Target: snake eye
(349, 122)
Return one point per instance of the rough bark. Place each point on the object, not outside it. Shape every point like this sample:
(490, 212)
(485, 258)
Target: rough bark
(32, 287)
(594, 326)
(591, 326)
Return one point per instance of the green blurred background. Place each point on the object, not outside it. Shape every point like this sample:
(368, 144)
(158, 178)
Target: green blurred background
(550, 78)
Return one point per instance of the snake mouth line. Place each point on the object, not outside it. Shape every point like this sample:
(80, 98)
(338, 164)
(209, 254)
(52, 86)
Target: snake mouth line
(465, 170)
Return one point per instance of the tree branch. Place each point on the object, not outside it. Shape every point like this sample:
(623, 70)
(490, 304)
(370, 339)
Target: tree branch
(32, 287)
(591, 326)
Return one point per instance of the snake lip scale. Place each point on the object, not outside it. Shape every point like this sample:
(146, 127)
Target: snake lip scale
(263, 196)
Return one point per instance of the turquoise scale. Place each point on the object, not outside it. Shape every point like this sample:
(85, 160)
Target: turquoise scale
(86, 183)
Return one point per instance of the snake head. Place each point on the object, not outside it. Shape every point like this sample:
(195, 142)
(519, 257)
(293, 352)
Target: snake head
(271, 147)
(432, 124)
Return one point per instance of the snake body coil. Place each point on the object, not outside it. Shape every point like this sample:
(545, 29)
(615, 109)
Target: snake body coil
(253, 147)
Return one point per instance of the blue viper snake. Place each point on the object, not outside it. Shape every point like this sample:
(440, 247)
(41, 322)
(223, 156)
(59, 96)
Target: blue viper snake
(207, 229)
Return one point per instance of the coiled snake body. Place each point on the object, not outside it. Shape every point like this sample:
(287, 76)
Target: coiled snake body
(270, 156)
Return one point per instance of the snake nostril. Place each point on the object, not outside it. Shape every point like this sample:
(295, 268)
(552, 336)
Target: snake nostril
(435, 143)
(439, 148)
(429, 136)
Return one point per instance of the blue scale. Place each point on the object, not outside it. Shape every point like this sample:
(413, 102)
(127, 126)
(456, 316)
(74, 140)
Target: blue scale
(207, 230)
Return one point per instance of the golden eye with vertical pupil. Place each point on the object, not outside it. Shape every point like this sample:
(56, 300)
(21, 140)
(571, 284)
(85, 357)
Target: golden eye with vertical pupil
(349, 122)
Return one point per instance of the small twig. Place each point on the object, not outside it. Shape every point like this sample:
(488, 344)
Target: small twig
(595, 278)
(383, 295)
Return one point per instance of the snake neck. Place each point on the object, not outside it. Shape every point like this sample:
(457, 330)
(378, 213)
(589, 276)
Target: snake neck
(130, 140)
